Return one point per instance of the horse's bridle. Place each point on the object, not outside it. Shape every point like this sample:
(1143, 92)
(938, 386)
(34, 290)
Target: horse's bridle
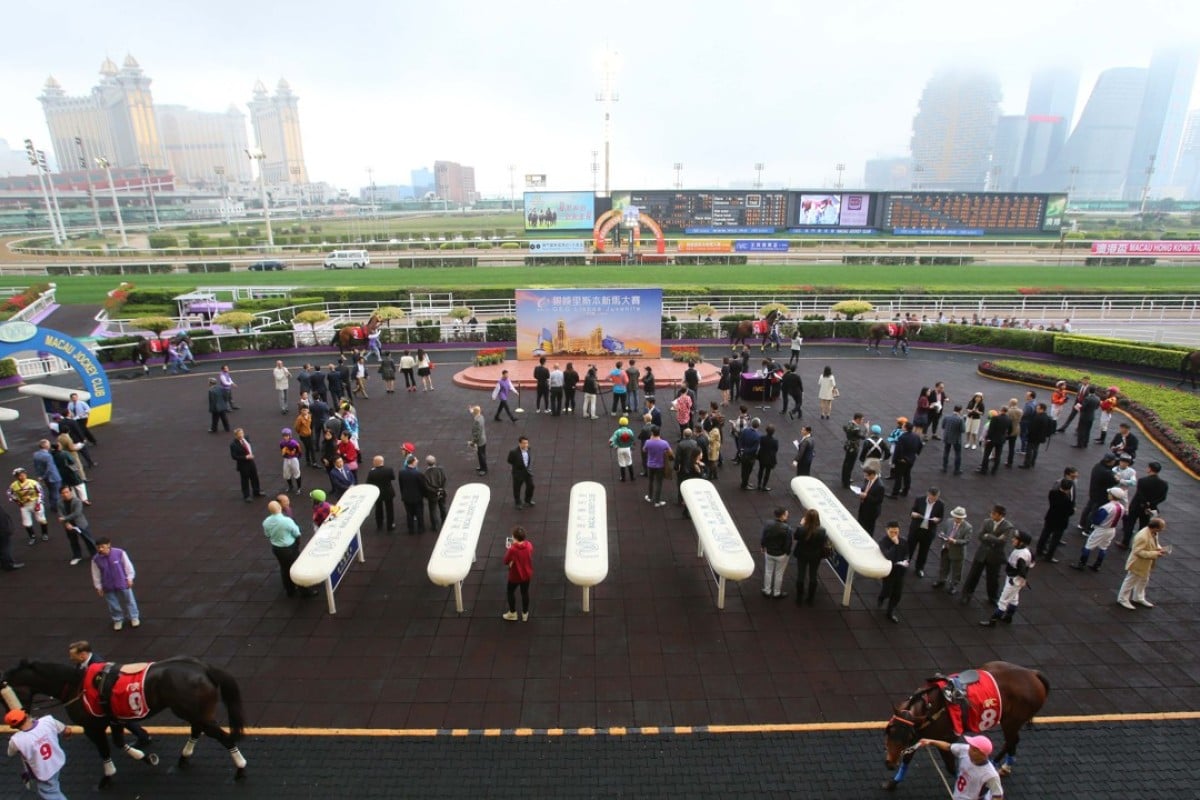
(918, 725)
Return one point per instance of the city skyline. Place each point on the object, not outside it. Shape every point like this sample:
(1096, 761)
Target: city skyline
(491, 86)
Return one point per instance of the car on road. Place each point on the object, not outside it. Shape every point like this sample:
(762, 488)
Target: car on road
(347, 259)
(267, 266)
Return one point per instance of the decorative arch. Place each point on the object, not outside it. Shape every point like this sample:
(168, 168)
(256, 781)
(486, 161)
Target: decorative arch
(16, 337)
(611, 218)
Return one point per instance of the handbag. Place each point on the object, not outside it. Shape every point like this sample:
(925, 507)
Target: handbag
(836, 392)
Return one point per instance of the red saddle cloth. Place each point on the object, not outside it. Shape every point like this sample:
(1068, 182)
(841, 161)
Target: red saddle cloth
(760, 327)
(128, 699)
(357, 332)
(983, 706)
(894, 329)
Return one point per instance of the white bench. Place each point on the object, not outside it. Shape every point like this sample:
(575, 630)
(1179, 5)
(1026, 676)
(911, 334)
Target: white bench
(852, 543)
(454, 552)
(328, 555)
(587, 538)
(7, 415)
(719, 540)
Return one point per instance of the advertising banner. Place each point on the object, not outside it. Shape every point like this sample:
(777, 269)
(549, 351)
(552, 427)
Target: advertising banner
(558, 246)
(705, 246)
(1056, 209)
(856, 210)
(589, 322)
(19, 336)
(760, 246)
(559, 211)
(1156, 248)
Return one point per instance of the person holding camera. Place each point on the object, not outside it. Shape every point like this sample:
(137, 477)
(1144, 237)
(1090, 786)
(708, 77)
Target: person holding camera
(518, 557)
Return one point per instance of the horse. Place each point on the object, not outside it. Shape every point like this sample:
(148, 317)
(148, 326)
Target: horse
(924, 715)
(897, 331)
(1189, 367)
(142, 354)
(740, 332)
(190, 688)
(350, 337)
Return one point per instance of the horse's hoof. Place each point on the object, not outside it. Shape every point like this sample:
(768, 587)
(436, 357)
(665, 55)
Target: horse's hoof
(889, 785)
(182, 763)
(240, 774)
(152, 759)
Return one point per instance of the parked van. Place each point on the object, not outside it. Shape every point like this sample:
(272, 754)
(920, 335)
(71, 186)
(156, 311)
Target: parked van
(347, 259)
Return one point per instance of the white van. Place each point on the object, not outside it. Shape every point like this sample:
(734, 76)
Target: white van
(347, 259)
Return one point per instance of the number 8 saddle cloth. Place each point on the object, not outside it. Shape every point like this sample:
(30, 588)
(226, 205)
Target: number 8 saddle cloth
(117, 691)
(972, 700)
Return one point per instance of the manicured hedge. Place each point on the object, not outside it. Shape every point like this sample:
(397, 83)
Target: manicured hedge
(215, 266)
(1169, 415)
(502, 329)
(1120, 351)
(8, 367)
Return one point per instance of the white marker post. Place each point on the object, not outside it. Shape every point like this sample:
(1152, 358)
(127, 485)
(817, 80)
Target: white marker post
(860, 552)
(719, 540)
(587, 538)
(454, 552)
(327, 556)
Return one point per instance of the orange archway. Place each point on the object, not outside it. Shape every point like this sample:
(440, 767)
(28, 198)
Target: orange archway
(609, 219)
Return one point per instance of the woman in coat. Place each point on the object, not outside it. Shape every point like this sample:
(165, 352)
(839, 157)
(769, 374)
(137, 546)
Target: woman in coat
(70, 475)
(975, 411)
(809, 551)
(72, 448)
(1143, 555)
(826, 391)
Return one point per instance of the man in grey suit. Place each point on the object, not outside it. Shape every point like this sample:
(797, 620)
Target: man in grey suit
(989, 556)
(953, 425)
(954, 536)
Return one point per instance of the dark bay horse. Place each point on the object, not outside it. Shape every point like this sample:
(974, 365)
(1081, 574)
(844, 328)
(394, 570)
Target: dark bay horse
(924, 715)
(191, 689)
(740, 332)
(1189, 367)
(897, 331)
(351, 337)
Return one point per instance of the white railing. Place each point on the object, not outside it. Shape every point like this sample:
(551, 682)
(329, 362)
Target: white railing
(29, 368)
(44, 300)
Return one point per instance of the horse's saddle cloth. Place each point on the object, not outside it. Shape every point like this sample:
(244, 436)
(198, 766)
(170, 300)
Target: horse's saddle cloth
(895, 329)
(761, 327)
(116, 690)
(972, 700)
(357, 332)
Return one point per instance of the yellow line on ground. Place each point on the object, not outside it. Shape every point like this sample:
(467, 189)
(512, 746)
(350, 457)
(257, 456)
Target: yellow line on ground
(806, 727)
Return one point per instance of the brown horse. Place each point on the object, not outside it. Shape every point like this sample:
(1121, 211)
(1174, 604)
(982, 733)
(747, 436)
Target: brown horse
(924, 716)
(351, 337)
(1189, 367)
(190, 688)
(897, 331)
(741, 331)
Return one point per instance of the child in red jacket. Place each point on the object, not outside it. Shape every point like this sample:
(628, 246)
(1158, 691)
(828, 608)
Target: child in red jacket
(519, 560)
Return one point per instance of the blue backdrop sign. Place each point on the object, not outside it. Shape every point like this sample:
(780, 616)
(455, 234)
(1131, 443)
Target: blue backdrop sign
(17, 337)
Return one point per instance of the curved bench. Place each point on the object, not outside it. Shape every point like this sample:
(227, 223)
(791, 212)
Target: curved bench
(329, 552)
(719, 540)
(454, 552)
(860, 552)
(587, 538)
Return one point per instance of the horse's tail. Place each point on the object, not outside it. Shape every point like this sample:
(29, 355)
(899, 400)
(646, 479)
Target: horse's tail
(231, 695)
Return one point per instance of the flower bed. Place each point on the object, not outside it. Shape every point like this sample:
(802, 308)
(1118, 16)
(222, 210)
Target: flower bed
(492, 355)
(1170, 416)
(685, 354)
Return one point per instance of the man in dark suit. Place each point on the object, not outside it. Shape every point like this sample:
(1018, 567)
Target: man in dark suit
(1124, 441)
(384, 478)
(1040, 429)
(792, 388)
(908, 447)
(82, 656)
(521, 461)
(243, 457)
(1088, 407)
(994, 439)
(989, 556)
(927, 514)
(1100, 481)
(412, 494)
(1085, 386)
(870, 501)
(218, 406)
(1151, 492)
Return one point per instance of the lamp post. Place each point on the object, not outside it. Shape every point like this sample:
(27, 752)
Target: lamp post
(1074, 172)
(758, 168)
(1146, 186)
(512, 191)
(83, 165)
(841, 169)
(595, 169)
(38, 165)
(150, 191)
(260, 156)
(62, 228)
(371, 184)
(102, 162)
(678, 167)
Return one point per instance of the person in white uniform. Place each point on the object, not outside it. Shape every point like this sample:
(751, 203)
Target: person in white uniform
(976, 777)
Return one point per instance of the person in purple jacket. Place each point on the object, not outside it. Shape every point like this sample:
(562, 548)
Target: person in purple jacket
(112, 575)
(658, 451)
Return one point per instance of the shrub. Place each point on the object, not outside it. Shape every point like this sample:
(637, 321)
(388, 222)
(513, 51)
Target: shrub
(502, 329)
(158, 241)
(426, 331)
(8, 367)
(685, 354)
(852, 308)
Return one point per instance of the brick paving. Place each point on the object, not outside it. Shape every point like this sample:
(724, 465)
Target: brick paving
(655, 650)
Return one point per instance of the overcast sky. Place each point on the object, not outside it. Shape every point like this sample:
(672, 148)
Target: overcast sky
(717, 86)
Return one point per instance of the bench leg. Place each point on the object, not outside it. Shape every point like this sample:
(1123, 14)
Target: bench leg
(846, 589)
(721, 593)
(329, 596)
(587, 599)
(458, 603)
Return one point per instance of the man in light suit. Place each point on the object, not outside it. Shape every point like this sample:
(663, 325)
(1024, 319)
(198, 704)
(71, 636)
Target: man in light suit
(955, 535)
(521, 461)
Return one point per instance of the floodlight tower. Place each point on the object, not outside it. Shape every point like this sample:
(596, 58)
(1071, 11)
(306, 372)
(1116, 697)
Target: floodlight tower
(608, 96)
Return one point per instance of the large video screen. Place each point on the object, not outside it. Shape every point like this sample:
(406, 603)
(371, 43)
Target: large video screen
(710, 212)
(1056, 210)
(842, 210)
(963, 213)
(559, 211)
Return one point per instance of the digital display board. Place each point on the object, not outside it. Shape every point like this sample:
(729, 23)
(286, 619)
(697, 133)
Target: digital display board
(842, 210)
(1056, 210)
(559, 211)
(962, 213)
(710, 212)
